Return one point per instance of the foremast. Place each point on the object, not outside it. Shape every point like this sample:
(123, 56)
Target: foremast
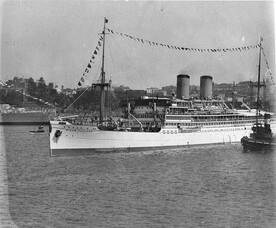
(102, 83)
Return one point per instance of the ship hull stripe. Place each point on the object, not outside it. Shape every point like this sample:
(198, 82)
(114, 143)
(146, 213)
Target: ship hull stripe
(90, 151)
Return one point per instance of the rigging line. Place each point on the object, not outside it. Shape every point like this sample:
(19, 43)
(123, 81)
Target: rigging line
(99, 66)
(111, 57)
(127, 59)
(97, 72)
(76, 99)
(265, 59)
(81, 94)
(269, 71)
(64, 99)
(185, 48)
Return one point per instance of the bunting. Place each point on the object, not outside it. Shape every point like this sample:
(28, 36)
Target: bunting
(268, 69)
(153, 43)
(91, 62)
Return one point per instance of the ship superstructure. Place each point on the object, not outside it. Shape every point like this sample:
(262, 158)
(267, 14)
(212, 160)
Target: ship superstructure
(190, 113)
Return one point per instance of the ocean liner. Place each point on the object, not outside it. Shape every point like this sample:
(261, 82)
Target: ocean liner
(26, 118)
(27, 113)
(182, 123)
(21, 116)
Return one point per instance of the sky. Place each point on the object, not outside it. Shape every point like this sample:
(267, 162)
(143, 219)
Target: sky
(55, 40)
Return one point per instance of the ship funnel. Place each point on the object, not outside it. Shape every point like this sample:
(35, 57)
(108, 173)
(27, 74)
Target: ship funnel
(183, 83)
(206, 86)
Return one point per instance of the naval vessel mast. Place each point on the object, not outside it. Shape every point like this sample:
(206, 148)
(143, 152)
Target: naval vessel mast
(102, 84)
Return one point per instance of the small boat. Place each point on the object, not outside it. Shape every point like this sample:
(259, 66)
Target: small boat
(262, 137)
(40, 130)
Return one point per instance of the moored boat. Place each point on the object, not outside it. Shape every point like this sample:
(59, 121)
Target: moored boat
(262, 137)
(40, 130)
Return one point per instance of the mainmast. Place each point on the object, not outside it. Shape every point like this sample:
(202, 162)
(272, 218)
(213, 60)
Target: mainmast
(102, 84)
(259, 76)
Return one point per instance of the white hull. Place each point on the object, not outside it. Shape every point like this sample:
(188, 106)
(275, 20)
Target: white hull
(80, 139)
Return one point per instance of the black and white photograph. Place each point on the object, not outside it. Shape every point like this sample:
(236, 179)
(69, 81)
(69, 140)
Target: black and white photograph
(137, 114)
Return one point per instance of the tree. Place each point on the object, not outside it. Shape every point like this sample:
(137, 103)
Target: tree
(41, 86)
(31, 88)
(14, 98)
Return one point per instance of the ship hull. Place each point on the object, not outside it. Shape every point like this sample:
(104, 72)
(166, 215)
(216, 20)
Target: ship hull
(79, 140)
(89, 151)
(257, 144)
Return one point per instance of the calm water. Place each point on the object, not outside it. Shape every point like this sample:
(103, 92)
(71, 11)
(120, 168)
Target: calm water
(213, 186)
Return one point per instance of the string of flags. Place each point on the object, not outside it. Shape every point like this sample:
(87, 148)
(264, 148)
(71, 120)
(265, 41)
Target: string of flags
(91, 62)
(268, 69)
(153, 43)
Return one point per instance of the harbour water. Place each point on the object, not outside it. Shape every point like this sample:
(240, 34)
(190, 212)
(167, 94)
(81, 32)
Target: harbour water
(210, 186)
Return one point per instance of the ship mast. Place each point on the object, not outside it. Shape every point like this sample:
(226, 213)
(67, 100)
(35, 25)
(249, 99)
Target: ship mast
(102, 84)
(259, 75)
